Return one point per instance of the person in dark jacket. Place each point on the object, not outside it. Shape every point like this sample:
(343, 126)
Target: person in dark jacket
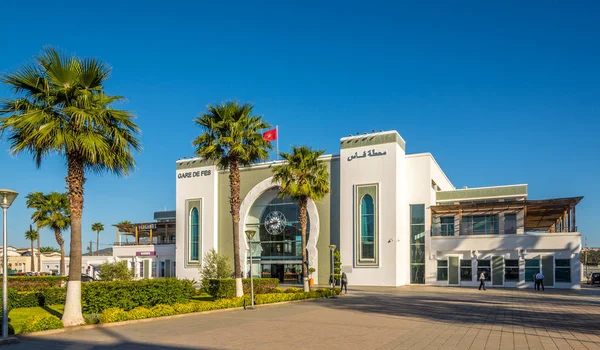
(344, 285)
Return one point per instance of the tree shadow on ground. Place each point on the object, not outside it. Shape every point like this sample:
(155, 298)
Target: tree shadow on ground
(557, 310)
(117, 341)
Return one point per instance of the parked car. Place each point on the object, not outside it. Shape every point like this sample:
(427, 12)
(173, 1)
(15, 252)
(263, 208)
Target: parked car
(594, 278)
(86, 278)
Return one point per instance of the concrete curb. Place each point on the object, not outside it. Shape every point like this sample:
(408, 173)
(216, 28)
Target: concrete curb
(144, 320)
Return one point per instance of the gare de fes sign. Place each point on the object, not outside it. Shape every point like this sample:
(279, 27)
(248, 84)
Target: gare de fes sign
(190, 174)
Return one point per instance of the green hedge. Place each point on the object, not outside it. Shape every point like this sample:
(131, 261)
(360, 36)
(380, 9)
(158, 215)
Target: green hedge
(41, 323)
(225, 287)
(118, 314)
(50, 296)
(34, 283)
(127, 295)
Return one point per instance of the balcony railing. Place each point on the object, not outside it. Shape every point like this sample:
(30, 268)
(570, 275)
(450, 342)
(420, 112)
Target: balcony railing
(165, 242)
(448, 230)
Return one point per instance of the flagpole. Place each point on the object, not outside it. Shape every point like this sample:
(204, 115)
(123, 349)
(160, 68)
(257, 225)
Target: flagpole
(277, 141)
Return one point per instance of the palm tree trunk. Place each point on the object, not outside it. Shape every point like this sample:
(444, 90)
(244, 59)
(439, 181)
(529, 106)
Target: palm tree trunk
(39, 254)
(32, 258)
(98, 242)
(62, 258)
(234, 184)
(75, 181)
(303, 220)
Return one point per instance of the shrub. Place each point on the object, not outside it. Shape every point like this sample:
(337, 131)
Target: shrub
(54, 296)
(277, 290)
(35, 283)
(214, 266)
(139, 313)
(28, 299)
(225, 287)
(127, 295)
(117, 271)
(162, 310)
(292, 290)
(43, 323)
(92, 318)
(113, 315)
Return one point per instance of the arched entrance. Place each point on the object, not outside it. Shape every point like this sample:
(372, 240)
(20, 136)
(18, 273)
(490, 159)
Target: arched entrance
(277, 246)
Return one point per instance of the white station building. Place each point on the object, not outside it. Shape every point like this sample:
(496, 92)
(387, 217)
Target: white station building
(395, 218)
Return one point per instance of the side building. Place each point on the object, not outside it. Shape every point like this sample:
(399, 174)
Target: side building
(395, 218)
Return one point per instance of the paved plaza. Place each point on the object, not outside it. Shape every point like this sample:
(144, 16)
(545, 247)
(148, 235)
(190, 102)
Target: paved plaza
(415, 317)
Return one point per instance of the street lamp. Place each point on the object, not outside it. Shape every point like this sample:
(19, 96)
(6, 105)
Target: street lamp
(332, 248)
(250, 235)
(7, 197)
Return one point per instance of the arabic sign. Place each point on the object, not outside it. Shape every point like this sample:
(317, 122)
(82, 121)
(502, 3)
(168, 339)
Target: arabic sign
(145, 253)
(369, 153)
(146, 226)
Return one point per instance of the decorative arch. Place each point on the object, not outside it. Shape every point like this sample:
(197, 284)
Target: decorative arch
(311, 244)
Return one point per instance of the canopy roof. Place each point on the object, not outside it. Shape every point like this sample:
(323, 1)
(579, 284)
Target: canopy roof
(540, 215)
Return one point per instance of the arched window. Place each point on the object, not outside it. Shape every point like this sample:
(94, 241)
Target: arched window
(194, 236)
(367, 228)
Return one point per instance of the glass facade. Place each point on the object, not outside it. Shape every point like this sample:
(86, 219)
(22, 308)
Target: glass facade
(447, 226)
(417, 243)
(367, 228)
(278, 239)
(442, 270)
(532, 266)
(194, 235)
(479, 225)
(466, 270)
(510, 224)
(511, 270)
(562, 270)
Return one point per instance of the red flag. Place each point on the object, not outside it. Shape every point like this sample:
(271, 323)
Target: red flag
(270, 135)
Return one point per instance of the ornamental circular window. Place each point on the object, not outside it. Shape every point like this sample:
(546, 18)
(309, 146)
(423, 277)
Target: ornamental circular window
(275, 223)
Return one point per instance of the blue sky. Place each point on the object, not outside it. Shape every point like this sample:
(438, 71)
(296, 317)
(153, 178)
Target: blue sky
(498, 93)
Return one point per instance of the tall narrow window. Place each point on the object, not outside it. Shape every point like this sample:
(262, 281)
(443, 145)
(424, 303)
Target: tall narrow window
(194, 234)
(532, 267)
(367, 228)
(510, 224)
(562, 270)
(466, 270)
(417, 243)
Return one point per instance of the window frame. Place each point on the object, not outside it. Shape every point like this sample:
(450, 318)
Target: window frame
(469, 268)
(362, 230)
(538, 267)
(467, 225)
(438, 268)
(192, 204)
(360, 191)
(562, 268)
(512, 268)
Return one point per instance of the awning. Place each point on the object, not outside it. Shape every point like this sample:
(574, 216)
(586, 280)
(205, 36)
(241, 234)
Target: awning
(540, 215)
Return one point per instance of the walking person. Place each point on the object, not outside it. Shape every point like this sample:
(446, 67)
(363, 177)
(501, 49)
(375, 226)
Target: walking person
(344, 286)
(482, 280)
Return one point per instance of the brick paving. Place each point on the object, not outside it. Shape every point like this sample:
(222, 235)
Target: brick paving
(415, 317)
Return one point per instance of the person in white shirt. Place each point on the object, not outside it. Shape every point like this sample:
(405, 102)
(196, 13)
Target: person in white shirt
(482, 280)
(539, 281)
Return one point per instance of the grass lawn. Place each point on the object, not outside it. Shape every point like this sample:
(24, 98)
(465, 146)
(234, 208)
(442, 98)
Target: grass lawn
(18, 317)
(202, 297)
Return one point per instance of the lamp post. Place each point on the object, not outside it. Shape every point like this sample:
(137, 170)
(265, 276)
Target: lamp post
(332, 248)
(7, 197)
(250, 235)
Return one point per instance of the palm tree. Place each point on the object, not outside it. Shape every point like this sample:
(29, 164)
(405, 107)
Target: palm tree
(56, 217)
(231, 138)
(61, 107)
(302, 177)
(97, 227)
(31, 235)
(35, 200)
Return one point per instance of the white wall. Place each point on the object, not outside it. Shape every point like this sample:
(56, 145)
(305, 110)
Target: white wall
(383, 171)
(517, 246)
(202, 187)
